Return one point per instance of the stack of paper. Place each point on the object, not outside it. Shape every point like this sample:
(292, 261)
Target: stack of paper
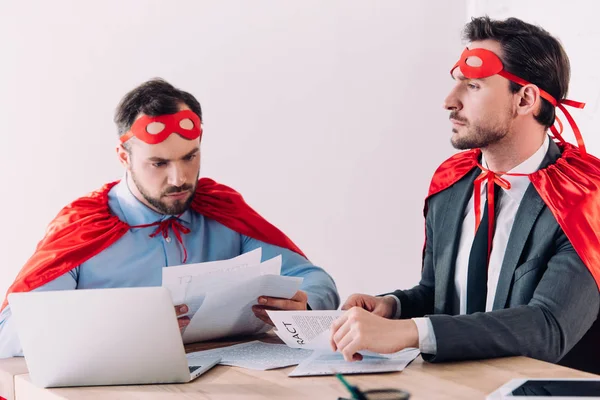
(220, 294)
(311, 330)
(254, 355)
(329, 363)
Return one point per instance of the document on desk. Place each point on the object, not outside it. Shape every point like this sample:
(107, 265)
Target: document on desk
(304, 329)
(254, 355)
(330, 363)
(227, 311)
(311, 330)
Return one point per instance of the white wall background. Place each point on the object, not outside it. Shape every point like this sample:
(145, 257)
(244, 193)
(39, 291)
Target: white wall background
(326, 115)
(314, 110)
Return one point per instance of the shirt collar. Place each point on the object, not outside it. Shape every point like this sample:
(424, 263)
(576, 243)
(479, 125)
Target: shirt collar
(137, 213)
(519, 184)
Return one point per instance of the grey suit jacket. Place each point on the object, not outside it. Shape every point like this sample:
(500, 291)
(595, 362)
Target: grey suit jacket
(546, 298)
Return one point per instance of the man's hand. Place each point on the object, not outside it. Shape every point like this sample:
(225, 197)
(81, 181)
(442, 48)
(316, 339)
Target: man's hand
(382, 306)
(298, 302)
(183, 321)
(359, 329)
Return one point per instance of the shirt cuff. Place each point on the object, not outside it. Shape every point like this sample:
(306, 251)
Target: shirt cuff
(427, 342)
(398, 307)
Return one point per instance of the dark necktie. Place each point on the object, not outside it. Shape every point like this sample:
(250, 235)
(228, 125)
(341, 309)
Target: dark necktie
(478, 263)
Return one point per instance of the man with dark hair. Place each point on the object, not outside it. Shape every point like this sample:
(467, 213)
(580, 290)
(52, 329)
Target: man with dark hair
(159, 215)
(520, 276)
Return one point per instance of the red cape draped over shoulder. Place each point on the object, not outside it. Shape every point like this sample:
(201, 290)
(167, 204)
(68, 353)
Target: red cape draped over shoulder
(570, 188)
(86, 227)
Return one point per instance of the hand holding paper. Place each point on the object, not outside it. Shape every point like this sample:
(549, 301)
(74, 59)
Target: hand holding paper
(227, 311)
(311, 330)
(298, 302)
(219, 295)
(383, 306)
(182, 319)
(349, 332)
(304, 329)
(186, 281)
(359, 330)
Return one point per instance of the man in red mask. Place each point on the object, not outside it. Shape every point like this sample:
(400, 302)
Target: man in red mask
(159, 215)
(511, 263)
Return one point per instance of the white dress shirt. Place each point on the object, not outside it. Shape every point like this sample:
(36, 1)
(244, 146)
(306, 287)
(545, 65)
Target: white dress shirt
(506, 210)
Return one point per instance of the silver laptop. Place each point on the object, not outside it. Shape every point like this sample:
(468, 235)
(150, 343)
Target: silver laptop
(102, 337)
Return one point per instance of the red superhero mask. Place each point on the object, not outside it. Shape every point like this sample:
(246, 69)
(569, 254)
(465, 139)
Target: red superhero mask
(153, 130)
(482, 63)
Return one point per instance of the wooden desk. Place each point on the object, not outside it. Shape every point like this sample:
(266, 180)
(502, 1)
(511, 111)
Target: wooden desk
(9, 368)
(463, 380)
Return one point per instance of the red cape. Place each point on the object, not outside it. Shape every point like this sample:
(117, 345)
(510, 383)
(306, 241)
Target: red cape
(86, 227)
(570, 188)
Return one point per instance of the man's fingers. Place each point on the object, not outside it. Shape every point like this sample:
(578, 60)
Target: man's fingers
(350, 302)
(346, 339)
(335, 325)
(340, 334)
(261, 313)
(181, 309)
(280, 304)
(350, 352)
(300, 296)
(355, 300)
(297, 302)
(262, 316)
(334, 328)
(332, 343)
(183, 322)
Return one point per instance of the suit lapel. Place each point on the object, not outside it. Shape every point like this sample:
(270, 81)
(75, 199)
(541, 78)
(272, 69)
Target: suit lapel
(447, 243)
(529, 209)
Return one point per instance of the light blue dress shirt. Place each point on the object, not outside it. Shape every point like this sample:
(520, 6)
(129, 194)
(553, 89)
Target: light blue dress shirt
(136, 259)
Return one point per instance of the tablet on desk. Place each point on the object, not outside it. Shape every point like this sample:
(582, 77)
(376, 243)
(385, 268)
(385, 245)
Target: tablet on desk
(556, 389)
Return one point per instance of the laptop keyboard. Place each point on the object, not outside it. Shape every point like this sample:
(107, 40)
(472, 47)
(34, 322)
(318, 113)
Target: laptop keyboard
(194, 367)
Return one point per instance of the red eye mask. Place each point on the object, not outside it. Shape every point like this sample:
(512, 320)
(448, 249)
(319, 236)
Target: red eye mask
(153, 130)
(490, 64)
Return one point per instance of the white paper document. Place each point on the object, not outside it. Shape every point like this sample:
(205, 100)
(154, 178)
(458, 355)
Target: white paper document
(220, 294)
(329, 363)
(254, 355)
(304, 329)
(228, 311)
(184, 281)
(311, 330)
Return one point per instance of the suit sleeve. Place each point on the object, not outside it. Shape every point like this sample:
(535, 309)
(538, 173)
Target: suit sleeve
(564, 306)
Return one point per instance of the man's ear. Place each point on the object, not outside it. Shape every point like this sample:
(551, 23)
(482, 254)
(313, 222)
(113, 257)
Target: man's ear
(529, 100)
(124, 156)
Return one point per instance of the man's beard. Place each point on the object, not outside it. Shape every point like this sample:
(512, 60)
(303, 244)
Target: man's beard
(477, 137)
(176, 208)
